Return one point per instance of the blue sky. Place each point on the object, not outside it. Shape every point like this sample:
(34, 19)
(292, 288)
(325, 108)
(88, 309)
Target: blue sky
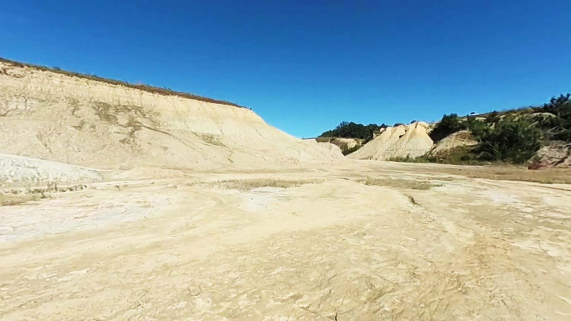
(305, 66)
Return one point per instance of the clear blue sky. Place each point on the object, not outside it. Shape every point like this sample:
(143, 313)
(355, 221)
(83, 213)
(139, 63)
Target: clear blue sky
(306, 67)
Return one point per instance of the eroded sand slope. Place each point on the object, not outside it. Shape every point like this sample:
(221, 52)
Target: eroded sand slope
(395, 142)
(80, 121)
(313, 244)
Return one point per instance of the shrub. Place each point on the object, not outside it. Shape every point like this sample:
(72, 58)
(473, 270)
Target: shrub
(479, 129)
(250, 184)
(348, 151)
(564, 135)
(558, 127)
(559, 106)
(493, 118)
(408, 159)
(515, 142)
(460, 155)
(400, 183)
(448, 125)
(353, 130)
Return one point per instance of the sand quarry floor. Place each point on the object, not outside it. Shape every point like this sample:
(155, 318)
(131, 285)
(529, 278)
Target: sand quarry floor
(356, 241)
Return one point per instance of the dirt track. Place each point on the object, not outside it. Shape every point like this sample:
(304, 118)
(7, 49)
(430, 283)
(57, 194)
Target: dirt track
(332, 248)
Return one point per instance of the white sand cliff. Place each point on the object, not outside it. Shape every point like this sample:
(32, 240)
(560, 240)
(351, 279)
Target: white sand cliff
(79, 121)
(400, 141)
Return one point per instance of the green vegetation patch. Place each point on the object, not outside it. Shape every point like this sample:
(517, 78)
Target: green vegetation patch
(353, 130)
(400, 183)
(250, 184)
(511, 137)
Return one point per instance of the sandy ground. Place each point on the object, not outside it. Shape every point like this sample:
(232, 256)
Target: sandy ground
(325, 248)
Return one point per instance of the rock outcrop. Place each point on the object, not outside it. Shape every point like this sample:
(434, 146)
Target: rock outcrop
(394, 142)
(557, 154)
(78, 120)
(344, 144)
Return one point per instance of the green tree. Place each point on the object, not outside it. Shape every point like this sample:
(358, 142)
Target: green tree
(493, 118)
(515, 142)
(352, 130)
(479, 128)
(448, 125)
(559, 127)
(559, 106)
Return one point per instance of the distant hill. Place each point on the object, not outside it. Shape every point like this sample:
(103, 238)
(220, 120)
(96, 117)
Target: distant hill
(511, 136)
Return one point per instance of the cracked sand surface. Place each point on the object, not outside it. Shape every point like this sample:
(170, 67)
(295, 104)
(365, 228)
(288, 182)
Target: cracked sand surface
(466, 249)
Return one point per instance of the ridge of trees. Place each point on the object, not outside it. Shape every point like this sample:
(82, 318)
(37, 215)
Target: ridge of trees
(512, 136)
(353, 130)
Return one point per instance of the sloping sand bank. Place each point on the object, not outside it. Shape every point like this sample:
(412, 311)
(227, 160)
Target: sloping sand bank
(86, 122)
(395, 142)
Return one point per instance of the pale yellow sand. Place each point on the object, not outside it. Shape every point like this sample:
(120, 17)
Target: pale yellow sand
(310, 244)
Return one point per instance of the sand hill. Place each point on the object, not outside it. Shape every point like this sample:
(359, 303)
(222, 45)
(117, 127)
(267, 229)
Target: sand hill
(400, 141)
(62, 117)
(344, 144)
(454, 140)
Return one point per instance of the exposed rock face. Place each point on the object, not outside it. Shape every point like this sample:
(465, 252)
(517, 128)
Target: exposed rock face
(400, 141)
(80, 121)
(557, 154)
(346, 143)
(457, 139)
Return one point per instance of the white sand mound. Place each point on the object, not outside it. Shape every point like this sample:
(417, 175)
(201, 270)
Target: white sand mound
(88, 122)
(332, 147)
(457, 139)
(400, 141)
(346, 143)
(17, 169)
